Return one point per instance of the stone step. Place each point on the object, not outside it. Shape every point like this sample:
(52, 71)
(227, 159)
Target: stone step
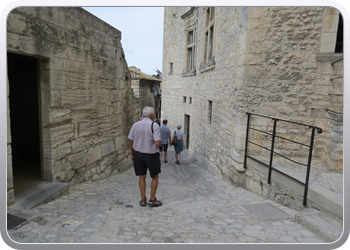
(329, 227)
(40, 194)
(292, 183)
(324, 212)
(320, 197)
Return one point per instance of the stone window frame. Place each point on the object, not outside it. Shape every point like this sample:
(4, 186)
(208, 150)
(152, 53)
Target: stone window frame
(209, 39)
(191, 50)
(190, 26)
(327, 53)
(329, 37)
(190, 53)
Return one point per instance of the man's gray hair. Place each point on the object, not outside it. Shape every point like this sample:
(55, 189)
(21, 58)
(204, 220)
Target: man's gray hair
(147, 112)
(179, 126)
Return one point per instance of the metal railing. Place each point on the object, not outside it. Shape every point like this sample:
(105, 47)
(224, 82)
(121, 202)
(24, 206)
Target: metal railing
(308, 165)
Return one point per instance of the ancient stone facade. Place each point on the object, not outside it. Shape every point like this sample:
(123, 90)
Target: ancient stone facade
(219, 63)
(334, 141)
(85, 102)
(147, 89)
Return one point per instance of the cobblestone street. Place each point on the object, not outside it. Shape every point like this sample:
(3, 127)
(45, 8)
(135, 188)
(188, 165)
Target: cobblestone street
(197, 208)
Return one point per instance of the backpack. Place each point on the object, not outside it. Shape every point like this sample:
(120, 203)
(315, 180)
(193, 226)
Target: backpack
(174, 142)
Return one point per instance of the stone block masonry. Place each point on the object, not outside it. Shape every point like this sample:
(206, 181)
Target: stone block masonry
(87, 105)
(266, 60)
(335, 141)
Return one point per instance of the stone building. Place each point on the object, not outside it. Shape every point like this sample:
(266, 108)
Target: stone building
(285, 62)
(147, 89)
(70, 104)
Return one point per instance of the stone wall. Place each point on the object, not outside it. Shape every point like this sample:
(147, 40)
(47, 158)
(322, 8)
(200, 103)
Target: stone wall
(293, 79)
(334, 141)
(135, 87)
(87, 105)
(267, 61)
(213, 145)
(143, 90)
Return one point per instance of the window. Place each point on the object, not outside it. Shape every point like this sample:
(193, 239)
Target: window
(332, 39)
(155, 91)
(209, 35)
(339, 43)
(190, 19)
(171, 68)
(190, 51)
(184, 99)
(190, 100)
(210, 112)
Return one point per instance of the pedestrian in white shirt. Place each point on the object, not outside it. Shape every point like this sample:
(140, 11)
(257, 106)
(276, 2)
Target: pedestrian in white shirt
(145, 141)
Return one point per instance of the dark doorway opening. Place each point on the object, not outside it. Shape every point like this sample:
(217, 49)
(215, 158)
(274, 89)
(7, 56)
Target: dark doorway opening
(187, 131)
(24, 115)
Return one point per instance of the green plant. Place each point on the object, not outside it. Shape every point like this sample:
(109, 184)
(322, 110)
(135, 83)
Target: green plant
(261, 185)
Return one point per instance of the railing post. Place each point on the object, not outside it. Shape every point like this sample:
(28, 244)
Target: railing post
(309, 167)
(246, 143)
(272, 148)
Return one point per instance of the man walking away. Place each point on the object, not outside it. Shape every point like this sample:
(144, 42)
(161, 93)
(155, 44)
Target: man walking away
(165, 134)
(145, 140)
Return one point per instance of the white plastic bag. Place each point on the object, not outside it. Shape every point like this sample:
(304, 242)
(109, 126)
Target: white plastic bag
(184, 155)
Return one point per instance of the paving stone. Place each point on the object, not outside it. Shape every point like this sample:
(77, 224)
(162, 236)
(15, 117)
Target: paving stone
(247, 239)
(146, 239)
(193, 219)
(266, 212)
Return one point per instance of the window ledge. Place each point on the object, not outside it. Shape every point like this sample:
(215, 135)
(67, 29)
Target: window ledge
(193, 73)
(336, 116)
(329, 57)
(207, 67)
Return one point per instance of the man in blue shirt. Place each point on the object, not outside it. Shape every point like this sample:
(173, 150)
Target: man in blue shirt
(165, 134)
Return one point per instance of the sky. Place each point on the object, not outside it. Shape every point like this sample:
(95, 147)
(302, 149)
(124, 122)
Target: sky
(142, 33)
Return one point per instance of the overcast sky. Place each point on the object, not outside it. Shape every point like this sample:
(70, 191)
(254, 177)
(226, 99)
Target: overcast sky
(142, 33)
